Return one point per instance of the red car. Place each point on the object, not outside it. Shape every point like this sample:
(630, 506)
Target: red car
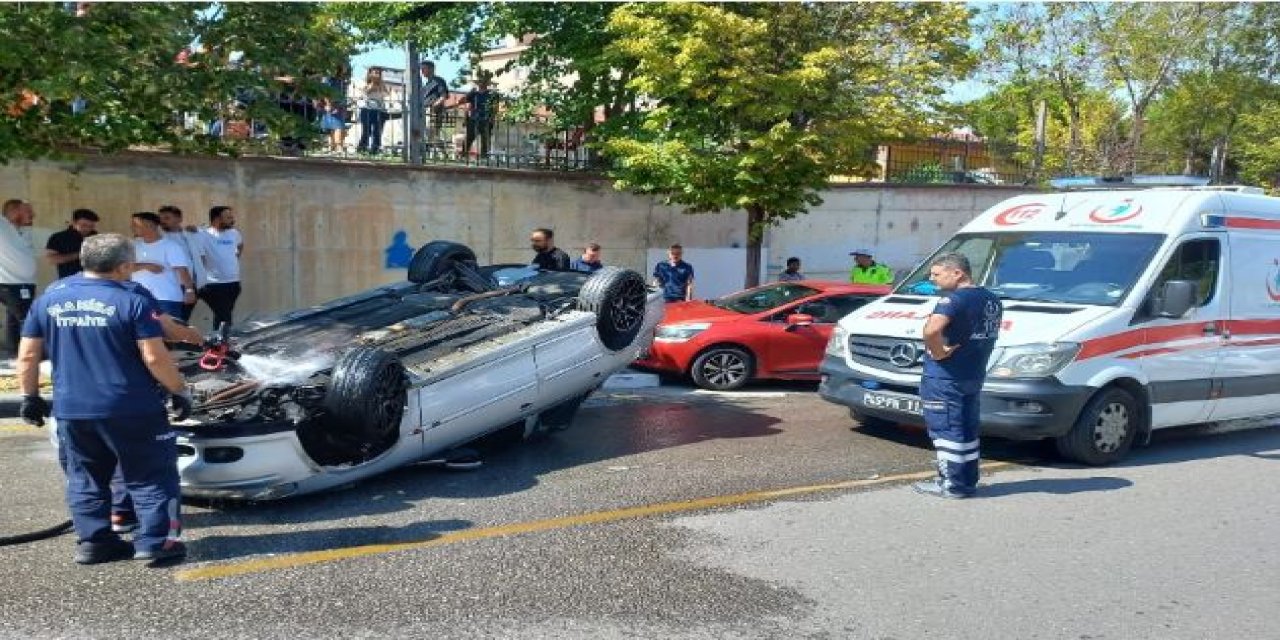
(776, 331)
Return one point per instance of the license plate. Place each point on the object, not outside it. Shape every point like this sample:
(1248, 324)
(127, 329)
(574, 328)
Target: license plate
(893, 402)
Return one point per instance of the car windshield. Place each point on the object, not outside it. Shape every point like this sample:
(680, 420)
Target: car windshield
(1064, 267)
(764, 298)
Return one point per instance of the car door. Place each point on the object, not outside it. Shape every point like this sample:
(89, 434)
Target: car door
(1181, 355)
(798, 350)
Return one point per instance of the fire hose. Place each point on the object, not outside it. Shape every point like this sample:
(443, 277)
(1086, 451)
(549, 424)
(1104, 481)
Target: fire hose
(217, 351)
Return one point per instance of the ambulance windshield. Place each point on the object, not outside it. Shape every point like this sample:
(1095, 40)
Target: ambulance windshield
(1062, 267)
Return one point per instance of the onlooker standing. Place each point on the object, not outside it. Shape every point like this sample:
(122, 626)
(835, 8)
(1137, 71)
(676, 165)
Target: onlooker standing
(63, 247)
(224, 245)
(336, 112)
(435, 97)
(482, 111)
(193, 243)
(373, 111)
(867, 271)
(792, 272)
(546, 256)
(959, 337)
(110, 369)
(332, 124)
(675, 276)
(161, 265)
(17, 266)
(590, 260)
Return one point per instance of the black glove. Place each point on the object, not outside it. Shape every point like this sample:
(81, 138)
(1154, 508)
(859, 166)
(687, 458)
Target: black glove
(34, 410)
(180, 406)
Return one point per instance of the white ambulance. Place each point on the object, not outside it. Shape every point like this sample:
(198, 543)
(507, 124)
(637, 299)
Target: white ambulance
(1124, 311)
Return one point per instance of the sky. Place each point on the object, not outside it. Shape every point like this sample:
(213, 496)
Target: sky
(396, 58)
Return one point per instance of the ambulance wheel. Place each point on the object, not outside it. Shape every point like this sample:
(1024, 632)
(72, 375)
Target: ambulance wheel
(1105, 430)
(871, 423)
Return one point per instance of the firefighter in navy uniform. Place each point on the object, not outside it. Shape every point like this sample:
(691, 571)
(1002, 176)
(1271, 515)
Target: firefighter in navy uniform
(110, 372)
(959, 337)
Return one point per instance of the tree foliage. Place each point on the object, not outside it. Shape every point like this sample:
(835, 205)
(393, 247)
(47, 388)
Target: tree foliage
(755, 106)
(1190, 75)
(112, 75)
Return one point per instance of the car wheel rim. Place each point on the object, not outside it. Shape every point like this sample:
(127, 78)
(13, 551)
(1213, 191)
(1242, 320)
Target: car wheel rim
(387, 411)
(1112, 428)
(628, 307)
(724, 369)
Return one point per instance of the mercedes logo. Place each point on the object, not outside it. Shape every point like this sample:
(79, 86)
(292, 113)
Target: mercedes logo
(904, 355)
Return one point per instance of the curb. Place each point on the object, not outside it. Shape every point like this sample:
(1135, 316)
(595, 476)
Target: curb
(9, 405)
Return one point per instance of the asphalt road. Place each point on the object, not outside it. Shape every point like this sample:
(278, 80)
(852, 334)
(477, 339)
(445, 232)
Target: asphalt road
(1175, 545)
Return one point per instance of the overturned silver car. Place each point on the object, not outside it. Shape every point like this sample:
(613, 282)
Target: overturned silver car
(328, 395)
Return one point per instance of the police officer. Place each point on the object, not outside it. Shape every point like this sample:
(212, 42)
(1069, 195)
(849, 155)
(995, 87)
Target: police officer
(959, 337)
(110, 369)
(867, 271)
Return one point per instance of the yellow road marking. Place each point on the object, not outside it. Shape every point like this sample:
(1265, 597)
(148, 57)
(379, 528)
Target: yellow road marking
(18, 428)
(259, 565)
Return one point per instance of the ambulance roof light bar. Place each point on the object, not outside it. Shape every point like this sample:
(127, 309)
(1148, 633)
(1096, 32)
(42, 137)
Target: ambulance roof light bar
(1126, 182)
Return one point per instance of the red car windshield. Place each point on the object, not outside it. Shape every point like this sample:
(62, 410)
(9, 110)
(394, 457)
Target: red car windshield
(764, 298)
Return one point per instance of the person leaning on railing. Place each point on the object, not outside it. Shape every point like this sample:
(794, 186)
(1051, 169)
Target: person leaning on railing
(373, 111)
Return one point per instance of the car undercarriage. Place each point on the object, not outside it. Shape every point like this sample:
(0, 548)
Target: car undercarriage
(338, 373)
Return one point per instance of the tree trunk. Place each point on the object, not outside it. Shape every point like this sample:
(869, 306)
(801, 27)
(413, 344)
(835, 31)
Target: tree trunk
(755, 240)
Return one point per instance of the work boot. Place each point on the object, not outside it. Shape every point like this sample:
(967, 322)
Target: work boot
(168, 554)
(100, 552)
(123, 522)
(934, 488)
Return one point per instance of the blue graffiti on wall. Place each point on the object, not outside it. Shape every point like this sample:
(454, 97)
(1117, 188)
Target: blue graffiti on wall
(399, 254)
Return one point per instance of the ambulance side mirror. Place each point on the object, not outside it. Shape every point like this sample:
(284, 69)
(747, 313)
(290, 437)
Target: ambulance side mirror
(1177, 298)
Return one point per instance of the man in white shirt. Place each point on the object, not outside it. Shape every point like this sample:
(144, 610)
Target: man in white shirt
(193, 243)
(161, 265)
(17, 267)
(224, 246)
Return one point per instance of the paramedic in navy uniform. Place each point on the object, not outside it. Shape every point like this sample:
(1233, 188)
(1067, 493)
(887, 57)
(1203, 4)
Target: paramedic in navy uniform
(959, 337)
(111, 373)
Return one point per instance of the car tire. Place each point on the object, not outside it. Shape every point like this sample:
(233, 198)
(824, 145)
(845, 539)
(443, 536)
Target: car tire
(619, 298)
(367, 396)
(871, 422)
(722, 368)
(438, 258)
(1105, 430)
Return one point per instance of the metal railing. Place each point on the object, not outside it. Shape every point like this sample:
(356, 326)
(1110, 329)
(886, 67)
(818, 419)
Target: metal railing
(452, 136)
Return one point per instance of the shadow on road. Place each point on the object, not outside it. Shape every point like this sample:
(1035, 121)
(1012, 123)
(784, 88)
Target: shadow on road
(1207, 441)
(511, 466)
(220, 547)
(1055, 486)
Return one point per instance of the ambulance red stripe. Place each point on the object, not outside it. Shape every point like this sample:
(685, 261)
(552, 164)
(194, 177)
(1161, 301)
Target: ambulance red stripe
(1239, 222)
(1107, 345)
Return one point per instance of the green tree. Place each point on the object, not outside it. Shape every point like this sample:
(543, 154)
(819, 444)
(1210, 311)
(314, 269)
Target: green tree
(112, 75)
(755, 106)
(1144, 47)
(1258, 144)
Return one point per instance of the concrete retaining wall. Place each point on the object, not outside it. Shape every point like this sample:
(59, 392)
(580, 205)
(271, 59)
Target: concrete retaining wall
(319, 229)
